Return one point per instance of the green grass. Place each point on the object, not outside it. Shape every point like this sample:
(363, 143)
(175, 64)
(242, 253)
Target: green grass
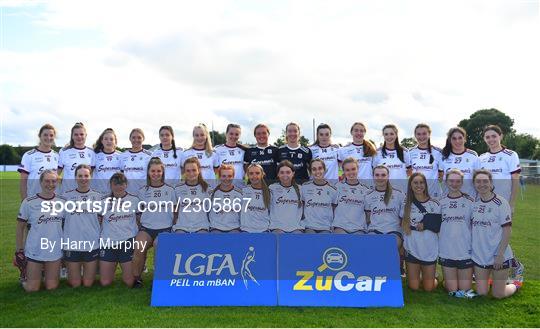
(118, 306)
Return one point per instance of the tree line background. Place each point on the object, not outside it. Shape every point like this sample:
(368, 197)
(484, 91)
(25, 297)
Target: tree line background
(526, 145)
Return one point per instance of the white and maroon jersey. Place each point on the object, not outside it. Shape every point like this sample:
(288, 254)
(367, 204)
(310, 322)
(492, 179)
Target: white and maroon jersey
(34, 162)
(194, 205)
(467, 162)
(397, 168)
(106, 165)
(455, 240)
(365, 163)
(350, 212)
(208, 163)
(119, 225)
(319, 202)
(82, 224)
(255, 216)
(285, 208)
(233, 156)
(68, 160)
(42, 225)
(134, 166)
(157, 205)
(172, 165)
(227, 218)
(420, 162)
(488, 220)
(502, 166)
(329, 155)
(423, 245)
(384, 218)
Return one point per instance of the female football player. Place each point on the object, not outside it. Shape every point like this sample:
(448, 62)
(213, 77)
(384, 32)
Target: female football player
(362, 150)
(232, 153)
(285, 201)
(394, 157)
(223, 217)
(107, 161)
(263, 153)
(324, 149)
(135, 161)
(72, 155)
(426, 158)
(298, 155)
(202, 150)
(255, 216)
(170, 155)
(319, 199)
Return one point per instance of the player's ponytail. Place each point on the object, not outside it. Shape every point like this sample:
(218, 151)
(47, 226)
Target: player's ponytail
(368, 147)
(447, 149)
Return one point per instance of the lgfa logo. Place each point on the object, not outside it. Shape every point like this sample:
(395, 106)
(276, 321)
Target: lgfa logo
(220, 266)
(335, 259)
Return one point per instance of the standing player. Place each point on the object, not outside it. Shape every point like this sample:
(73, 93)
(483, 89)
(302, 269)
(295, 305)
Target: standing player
(426, 159)
(135, 162)
(232, 153)
(350, 215)
(107, 161)
(505, 169)
(43, 225)
(263, 154)
(295, 153)
(157, 201)
(255, 216)
(170, 155)
(119, 231)
(223, 218)
(362, 150)
(456, 156)
(455, 238)
(394, 157)
(324, 149)
(383, 206)
(193, 200)
(202, 150)
(285, 201)
(319, 199)
(491, 230)
(82, 225)
(36, 160)
(72, 155)
(421, 246)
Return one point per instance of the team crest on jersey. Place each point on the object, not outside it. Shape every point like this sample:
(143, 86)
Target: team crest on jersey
(109, 158)
(299, 155)
(166, 155)
(231, 152)
(269, 151)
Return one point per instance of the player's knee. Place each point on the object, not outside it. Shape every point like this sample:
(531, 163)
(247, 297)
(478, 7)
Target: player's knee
(105, 282)
(74, 283)
(51, 285)
(414, 285)
(31, 287)
(498, 294)
(88, 283)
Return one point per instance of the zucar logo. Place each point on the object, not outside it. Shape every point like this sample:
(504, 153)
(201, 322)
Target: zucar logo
(220, 268)
(334, 261)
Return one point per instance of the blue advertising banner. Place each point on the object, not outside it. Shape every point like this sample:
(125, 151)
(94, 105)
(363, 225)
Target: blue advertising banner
(338, 270)
(215, 269)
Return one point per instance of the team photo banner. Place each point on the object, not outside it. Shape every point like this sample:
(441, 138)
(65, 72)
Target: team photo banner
(215, 269)
(339, 270)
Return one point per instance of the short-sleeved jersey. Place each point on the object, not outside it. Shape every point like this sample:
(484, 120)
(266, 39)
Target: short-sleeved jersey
(350, 213)
(319, 202)
(192, 216)
(267, 157)
(397, 168)
(106, 165)
(488, 220)
(43, 225)
(34, 162)
(285, 208)
(173, 165)
(502, 166)
(300, 157)
(467, 162)
(423, 245)
(119, 225)
(233, 156)
(384, 218)
(82, 224)
(208, 163)
(134, 166)
(365, 163)
(255, 216)
(329, 155)
(157, 205)
(455, 241)
(420, 162)
(226, 218)
(68, 160)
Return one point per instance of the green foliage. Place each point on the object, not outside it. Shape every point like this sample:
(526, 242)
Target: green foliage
(526, 145)
(8, 155)
(281, 140)
(217, 137)
(476, 123)
(408, 142)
